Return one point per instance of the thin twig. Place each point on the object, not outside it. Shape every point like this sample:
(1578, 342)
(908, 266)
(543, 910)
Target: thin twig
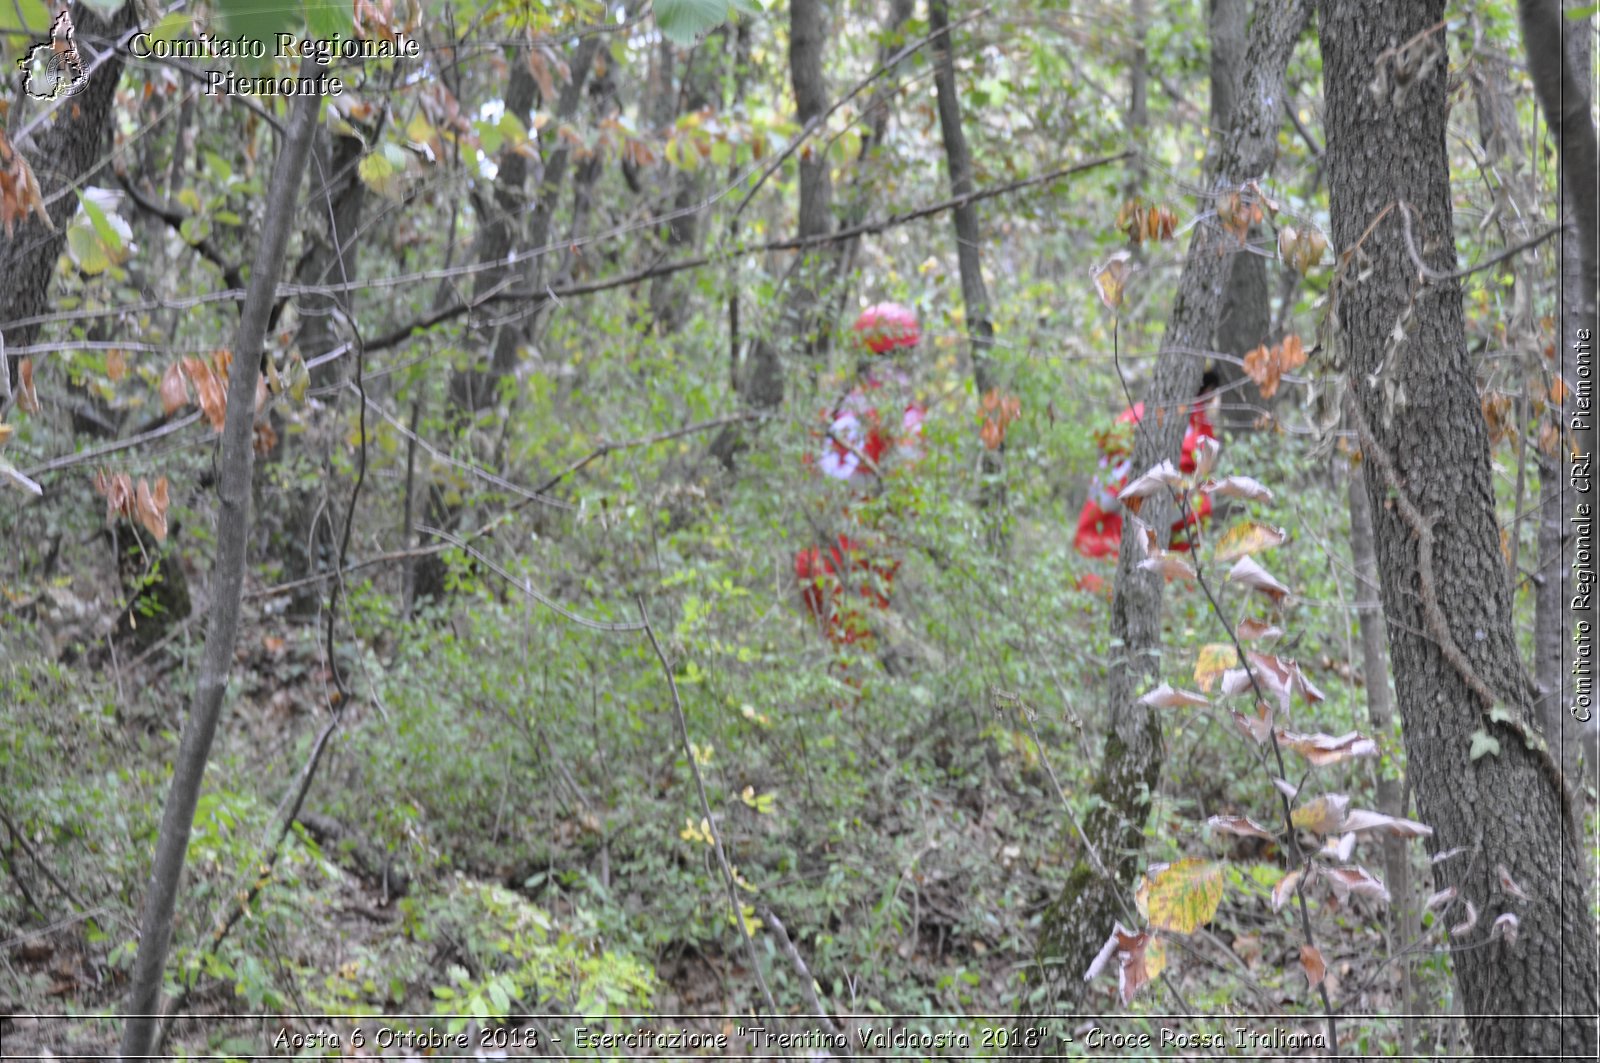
(68, 460)
(38, 861)
(1433, 276)
(644, 441)
(1439, 628)
(705, 809)
(1190, 529)
(455, 463)
(807, 983)
(861, 86)
(523, 585)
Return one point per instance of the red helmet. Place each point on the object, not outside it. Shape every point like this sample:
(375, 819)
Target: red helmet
(884, 326)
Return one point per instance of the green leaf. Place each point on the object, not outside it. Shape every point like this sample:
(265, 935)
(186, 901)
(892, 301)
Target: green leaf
(172, 27)
(378, 174)
(489, 137)
(97, 240)
(512, 129)
(194, 229)
(102, 227)
(219, 166)
(1482, 743)
(29, 18)
(683, 21)
(1583, 12)
(328, 19)
(258, 20)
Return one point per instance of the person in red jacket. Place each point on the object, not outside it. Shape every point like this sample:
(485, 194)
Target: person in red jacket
(866, 431)
(1099, 533)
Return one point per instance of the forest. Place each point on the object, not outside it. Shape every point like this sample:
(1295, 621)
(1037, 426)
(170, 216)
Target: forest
(756, 529)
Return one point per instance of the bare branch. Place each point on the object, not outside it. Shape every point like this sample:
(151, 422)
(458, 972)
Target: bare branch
(705, 809)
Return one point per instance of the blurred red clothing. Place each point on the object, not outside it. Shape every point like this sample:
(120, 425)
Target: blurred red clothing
(1100, 524)
(857, 428)
(864, 432)
(822, 581)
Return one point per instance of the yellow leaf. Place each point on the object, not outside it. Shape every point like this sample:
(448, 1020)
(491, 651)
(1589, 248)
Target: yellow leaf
(1111, 279)
(1184, 896)
(1323, 816)
(1248, 537)
(1155, 958)
(1214, 659)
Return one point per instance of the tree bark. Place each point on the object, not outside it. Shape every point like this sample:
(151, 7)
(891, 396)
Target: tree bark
(1246, 317)
(1139, 97)
(667, 304)
(1446, 595)
(969, 257)
(799, 326)
(65, 151)
(473, 388)
(337, 201)
(1079, 921)
(233, 534)
(862, 191)
(1553, 615)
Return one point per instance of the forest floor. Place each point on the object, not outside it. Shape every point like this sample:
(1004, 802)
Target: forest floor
(518, 855)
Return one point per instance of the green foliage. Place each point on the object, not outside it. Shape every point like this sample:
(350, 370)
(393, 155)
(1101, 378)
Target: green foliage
(259, 20)
(524, 956)
(894, 804)
(683, 21)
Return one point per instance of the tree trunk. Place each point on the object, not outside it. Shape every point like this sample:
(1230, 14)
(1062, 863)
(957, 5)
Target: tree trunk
(1558, 497)
(336, 202)
(62, 154)
(233, 534)
(1566, 111)
(800, 328)
(969, 257)
(474, 387)
(1246, 317)
(1446, 595)
(863, 192)
(548, 194)
(1080, 920)
(668, 306)
(1380, 710)
(1139, 97)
